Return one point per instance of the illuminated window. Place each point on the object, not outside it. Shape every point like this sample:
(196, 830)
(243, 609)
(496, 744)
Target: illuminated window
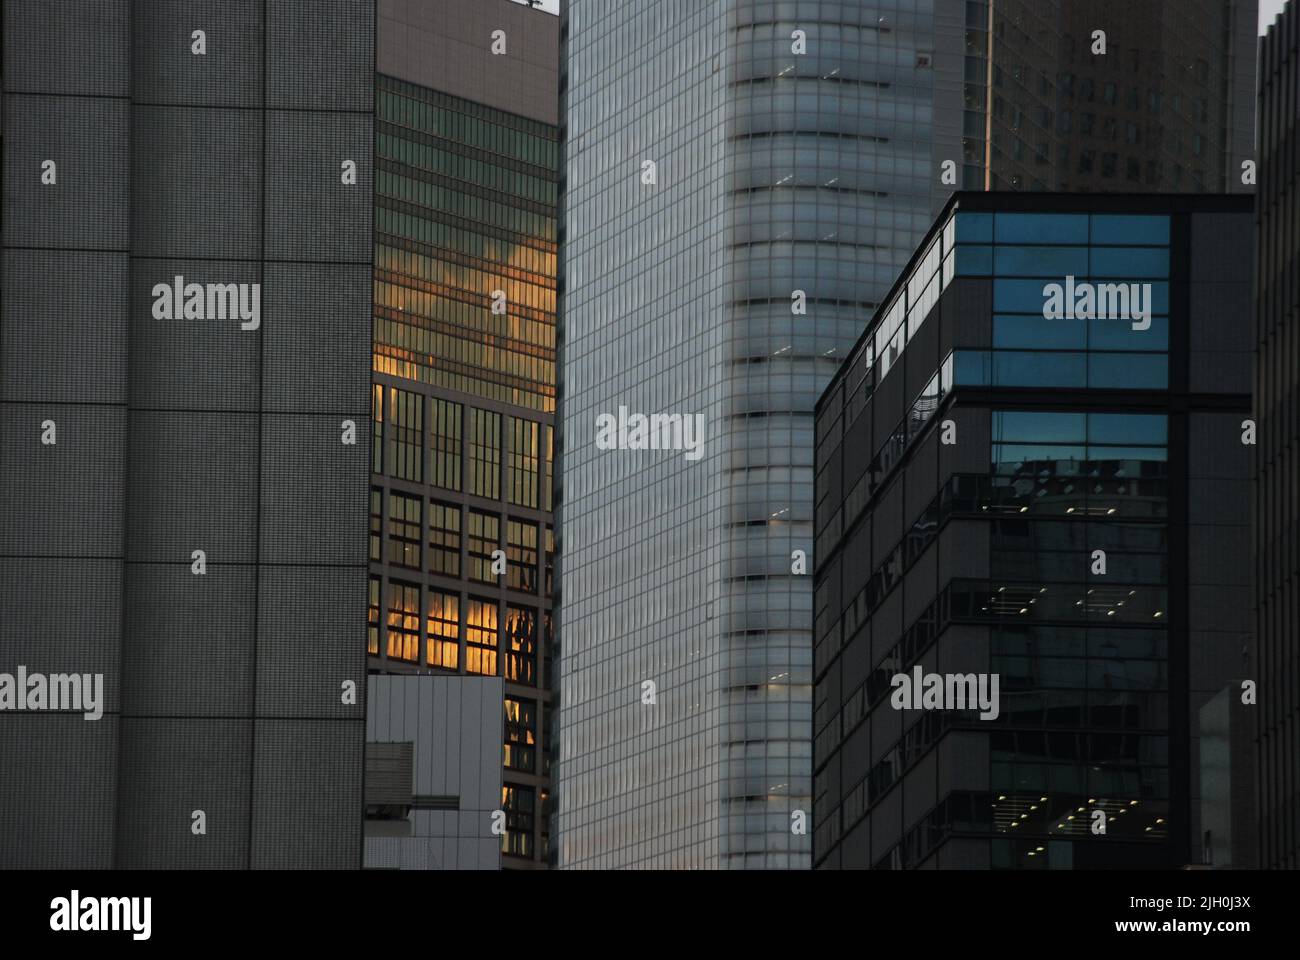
(481, 637)
(403, 621)
(376, 522)
(521, 556)
(523, 462)
(372, 618)
(484, 537)
(520, 735)
(444, 538)
(403, 530)
(517, 802)
(442, 625)
(444, 444)
(403, 451)
(521, 645)
(485, 454)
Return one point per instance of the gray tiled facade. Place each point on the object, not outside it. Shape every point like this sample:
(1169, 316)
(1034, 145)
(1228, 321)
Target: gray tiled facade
(223, 692)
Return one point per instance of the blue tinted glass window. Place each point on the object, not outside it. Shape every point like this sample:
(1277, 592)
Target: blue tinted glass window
(1039, 369)
(971, 367)
(1016, 457)
(1032, 331)
(1108, 262)
(974, 261)
(1041, 228)
(974, 228)
(1138, 371)
(1120, 335)
(1042, 261)
(1127, 428)
(1122, 228)
(1032, 425)
(1146, 454)
(1018, 296)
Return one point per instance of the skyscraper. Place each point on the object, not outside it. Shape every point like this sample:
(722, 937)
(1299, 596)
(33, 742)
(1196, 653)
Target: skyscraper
(1049, 503)
(1107, 97)
(1278, 305)
(744, 182)
(462, 540)
(183, 439)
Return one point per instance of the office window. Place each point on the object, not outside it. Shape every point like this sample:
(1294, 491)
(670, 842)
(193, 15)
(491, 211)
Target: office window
(485, 454)
(523, 463)
(484, 537)
(521, 645)
(403, 530)
(520, 735)
(545, 825)
(517, 802)
(403, 621)
(482, 638)
(372, 618)
(521, 556)
(548, 488)
(377, 429)
(404, 450)
(550, 561)
(442, 627)
(376, 523)
(548, 650)
(444, 538)
(444, 444)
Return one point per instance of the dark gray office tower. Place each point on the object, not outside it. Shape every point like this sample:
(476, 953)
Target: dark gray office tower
(1276, 374)
(1046, 503)
(184, 433)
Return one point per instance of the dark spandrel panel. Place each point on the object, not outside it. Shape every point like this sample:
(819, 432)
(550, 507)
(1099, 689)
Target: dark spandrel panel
(193, 486)
(76, 600)
(164, 68)
(187, 640)
(71, 47)
(88, 206)
(314, 491)
(64, 326)
(316, 356)
(58, 791)
(307, 649)
(311, 212)
(171, 768)
(210, 363)
(64, 498)
(320, 54)
(196, 182)
(307, 797)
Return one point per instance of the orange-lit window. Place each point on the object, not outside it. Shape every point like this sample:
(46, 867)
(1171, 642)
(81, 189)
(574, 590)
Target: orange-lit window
(442, 624)
(403, 621)
(482, 637)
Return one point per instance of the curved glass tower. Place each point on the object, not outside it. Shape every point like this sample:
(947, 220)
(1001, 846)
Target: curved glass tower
(744, 180)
